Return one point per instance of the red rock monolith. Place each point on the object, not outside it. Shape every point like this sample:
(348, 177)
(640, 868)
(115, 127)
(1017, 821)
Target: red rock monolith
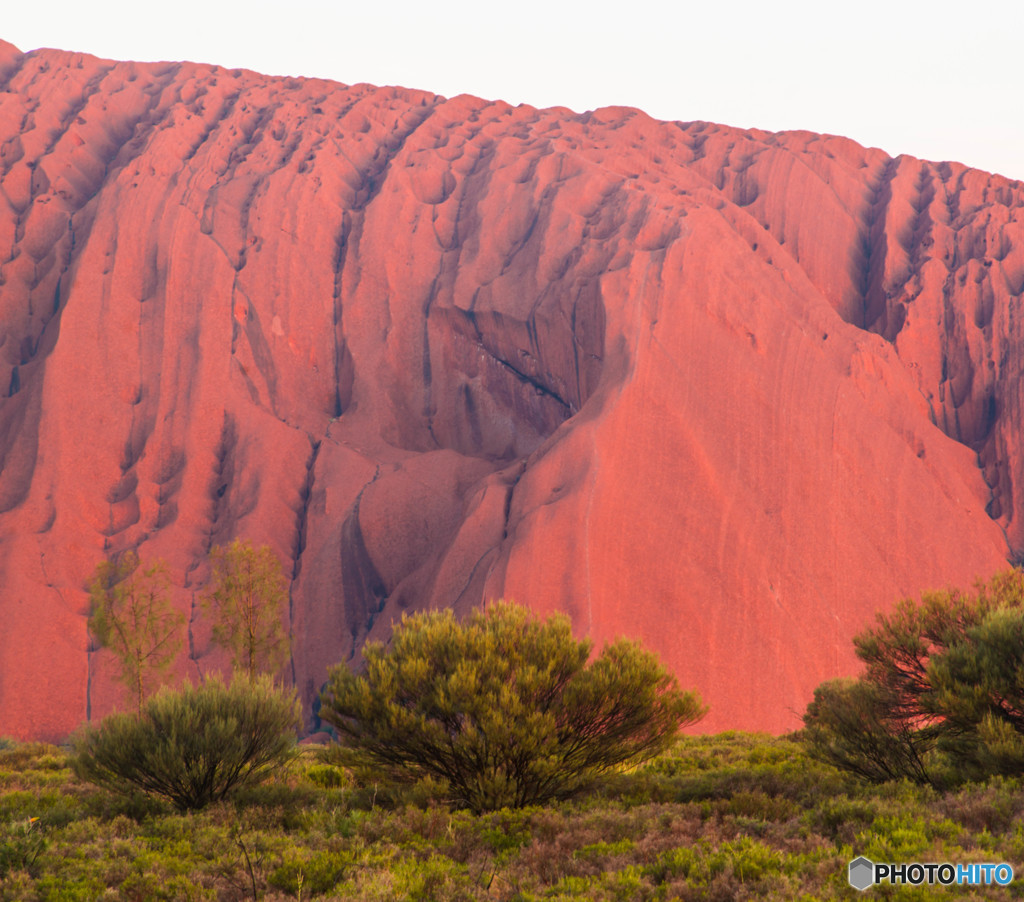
(727, 392)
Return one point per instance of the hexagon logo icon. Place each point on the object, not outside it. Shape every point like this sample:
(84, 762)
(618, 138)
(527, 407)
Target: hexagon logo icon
(862, 873)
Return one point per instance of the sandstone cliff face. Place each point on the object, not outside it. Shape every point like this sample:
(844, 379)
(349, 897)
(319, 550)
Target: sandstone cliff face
(729, 392)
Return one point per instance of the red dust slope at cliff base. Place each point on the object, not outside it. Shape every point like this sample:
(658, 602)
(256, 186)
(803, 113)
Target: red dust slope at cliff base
(728, 392)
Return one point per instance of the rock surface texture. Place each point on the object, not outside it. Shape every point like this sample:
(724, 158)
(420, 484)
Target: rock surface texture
(729, 392)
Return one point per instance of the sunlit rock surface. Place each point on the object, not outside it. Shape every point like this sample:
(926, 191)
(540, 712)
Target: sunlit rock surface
(729, 392)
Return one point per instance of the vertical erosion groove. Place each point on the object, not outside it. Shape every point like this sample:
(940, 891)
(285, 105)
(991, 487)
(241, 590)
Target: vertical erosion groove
(302, 525)
(362, 585)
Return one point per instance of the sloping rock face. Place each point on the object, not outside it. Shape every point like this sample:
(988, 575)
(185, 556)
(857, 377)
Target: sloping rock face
(728, 392)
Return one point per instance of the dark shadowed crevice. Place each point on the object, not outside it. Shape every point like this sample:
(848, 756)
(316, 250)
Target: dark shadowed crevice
(872, 286)
(19, 443)
(193, 612)
(540, 387)
(508, 499)
(362, 586)
(344, 370)
(222, 477)
(301, 533)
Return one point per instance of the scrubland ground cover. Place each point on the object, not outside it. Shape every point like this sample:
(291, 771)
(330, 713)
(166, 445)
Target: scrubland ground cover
(732, 816)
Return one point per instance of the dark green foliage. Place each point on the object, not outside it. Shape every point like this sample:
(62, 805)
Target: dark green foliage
(192, 746)
(978, 688)
(21, 844)
(504, 708)
(898, 649)
(130, 614)
(942, 696)
(851, 724)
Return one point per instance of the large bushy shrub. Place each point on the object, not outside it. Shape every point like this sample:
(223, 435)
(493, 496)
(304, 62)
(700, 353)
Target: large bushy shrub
(506, 709)
(192, 746)
(942, 695)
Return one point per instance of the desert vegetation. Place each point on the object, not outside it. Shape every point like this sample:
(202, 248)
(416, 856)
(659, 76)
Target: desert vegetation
(247, 601)
(195, 745)
(202, 794)
(505, 710)
(131, 615)
(731, 816)
(941, 698)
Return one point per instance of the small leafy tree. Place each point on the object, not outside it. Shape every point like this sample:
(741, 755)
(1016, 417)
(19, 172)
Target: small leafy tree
(248, 598)
(192, 746)
(504, 708)
(131, 615)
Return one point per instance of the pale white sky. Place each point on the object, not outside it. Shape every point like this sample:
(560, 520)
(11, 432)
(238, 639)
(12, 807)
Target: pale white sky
(940, 79)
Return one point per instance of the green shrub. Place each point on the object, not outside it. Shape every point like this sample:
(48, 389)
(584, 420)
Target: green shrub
(851, 724)
(311, 874)
(977, 687)
(505, 831)
(504, 708)
(21, 844)
(192, 746)
(327, 776)
(942, 696)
